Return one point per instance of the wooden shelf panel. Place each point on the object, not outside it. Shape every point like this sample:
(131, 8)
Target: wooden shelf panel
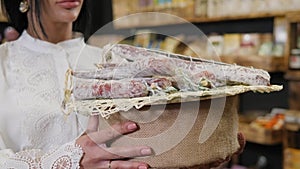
(293, 16)
(237, 17)
(270, 64)
(136, 22)
(293, 75)
(146, 20)
(2, 17)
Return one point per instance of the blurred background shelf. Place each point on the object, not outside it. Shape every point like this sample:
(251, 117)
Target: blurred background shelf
(268, 63)
(2, 17)
(197, 11)
(141, 22)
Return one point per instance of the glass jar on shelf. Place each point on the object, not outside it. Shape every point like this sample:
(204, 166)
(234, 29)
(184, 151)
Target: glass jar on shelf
(294, 61)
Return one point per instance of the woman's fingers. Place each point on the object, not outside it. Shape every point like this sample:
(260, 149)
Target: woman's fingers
(117, 164)
(106, 153)
(125, 152)
(112, 132)
(97, 155)
(127, 165)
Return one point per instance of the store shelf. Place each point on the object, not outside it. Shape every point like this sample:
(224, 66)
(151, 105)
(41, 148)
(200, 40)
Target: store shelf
(293, 75)
(2, 17)
(237, 17)
(293, 16)
(188, 15)
(144, 20)
(268, 63)
(260, 135)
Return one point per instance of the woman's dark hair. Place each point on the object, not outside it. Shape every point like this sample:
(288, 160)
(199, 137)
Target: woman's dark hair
(19, 20)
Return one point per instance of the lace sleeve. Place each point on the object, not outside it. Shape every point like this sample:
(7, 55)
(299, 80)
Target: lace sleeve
(65, 157)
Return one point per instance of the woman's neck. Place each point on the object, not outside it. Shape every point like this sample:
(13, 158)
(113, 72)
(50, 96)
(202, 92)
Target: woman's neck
(55, 33)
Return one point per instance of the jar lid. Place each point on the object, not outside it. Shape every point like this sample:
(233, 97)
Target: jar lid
(295, 51)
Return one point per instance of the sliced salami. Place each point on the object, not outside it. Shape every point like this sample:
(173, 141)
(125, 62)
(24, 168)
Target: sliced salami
(124, 88)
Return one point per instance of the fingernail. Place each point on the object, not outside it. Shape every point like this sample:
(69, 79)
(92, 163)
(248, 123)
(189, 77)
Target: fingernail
(146, 151)
(142, 167)
(132, 126)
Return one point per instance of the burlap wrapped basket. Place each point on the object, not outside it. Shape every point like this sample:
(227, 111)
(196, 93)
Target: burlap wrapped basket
(175, 128)
(188, 152)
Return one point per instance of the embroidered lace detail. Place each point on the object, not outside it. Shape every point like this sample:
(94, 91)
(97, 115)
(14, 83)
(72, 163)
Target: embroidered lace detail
(35, 79)
(62, 163)
(65, 157)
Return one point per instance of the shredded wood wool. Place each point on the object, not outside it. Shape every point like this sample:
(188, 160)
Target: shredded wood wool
(107, 107)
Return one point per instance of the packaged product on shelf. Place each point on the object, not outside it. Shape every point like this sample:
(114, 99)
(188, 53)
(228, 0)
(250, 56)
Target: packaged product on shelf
(186, 9)
(214, 8)
(258, 6)
(201, 8)
(277, 5)
(124, 7)
(102, 40)
(263, 127)
(298, 40)
(250, 43)
(266, 46)
(244, 7)
(215, 46)
(295, 5)
(232, 43)
(298, 35)
(295, 59)
(197, 47)
(270, 121)
(264, 6)
(274, 6)
(278, 49)
(145, 3)
(144, 38)
(170, 44)
(190, 9)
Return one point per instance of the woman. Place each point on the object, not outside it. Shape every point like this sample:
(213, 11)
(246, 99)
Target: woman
(34, 132)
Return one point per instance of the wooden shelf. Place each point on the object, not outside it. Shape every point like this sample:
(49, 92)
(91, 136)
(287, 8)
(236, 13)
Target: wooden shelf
(293, 75)
(261, 135)
(293, 16)
(2, 17)
(236, 17)
(145, 21)
(268, 63)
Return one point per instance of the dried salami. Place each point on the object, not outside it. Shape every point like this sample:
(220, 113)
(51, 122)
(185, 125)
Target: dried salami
(124, 88)
(144, 68)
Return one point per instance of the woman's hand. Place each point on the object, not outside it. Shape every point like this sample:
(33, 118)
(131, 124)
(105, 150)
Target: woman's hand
(97, 155)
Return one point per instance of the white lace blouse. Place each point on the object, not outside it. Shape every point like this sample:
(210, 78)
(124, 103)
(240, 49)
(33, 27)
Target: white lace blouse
(34, 133)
